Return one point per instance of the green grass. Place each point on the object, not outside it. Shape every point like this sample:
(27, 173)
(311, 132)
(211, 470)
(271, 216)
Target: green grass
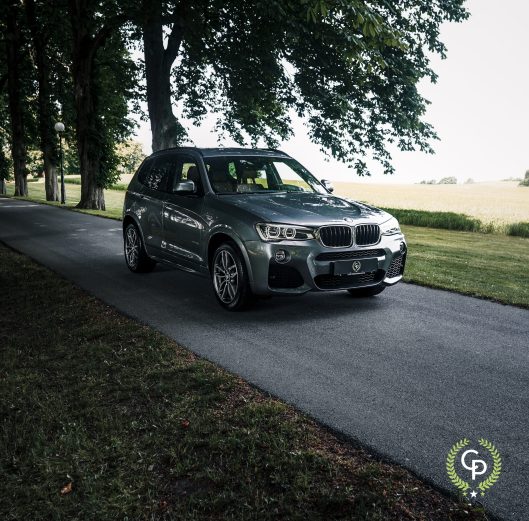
(518, 229)
(113, 199)
(442, 220)
(492, 266)
(140, 428)
(77, 181)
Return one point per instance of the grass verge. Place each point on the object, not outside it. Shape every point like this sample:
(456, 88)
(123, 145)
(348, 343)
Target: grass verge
(103, 418)
(113, 199)
(487, 266)
(442, 220)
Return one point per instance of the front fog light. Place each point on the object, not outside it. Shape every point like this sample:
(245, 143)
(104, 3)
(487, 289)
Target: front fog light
(402, 248)
(282, 256)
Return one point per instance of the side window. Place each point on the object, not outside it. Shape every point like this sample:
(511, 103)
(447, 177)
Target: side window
(160, 173)
(187, 170)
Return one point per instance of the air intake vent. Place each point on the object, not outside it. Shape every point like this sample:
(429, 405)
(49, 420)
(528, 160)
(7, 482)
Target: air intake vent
(336, 236)
(366, 234)
(345, 255)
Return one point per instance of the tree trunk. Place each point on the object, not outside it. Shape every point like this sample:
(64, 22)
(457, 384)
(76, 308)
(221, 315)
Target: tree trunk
(88, 147)
(47, 136)
(14, 88)
(89, 150)
(167, 132)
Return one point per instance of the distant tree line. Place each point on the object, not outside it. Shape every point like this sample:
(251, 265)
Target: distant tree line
(450, 180)
(349, 68)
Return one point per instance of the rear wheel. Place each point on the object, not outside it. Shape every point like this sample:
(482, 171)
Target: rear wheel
(366, 292)
(230, 278)
(135, 255)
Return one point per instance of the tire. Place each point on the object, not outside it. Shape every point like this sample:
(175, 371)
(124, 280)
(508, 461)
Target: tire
(135, 255)
(366, 292)
(228, 261)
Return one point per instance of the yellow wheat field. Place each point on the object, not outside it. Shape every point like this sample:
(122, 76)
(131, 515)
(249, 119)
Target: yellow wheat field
(500, 202)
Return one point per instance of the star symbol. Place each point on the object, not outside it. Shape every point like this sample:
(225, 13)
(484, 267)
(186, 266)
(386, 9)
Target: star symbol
(473, 494)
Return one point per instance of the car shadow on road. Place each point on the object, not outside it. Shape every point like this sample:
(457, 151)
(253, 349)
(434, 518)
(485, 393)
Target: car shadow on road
(197, 294)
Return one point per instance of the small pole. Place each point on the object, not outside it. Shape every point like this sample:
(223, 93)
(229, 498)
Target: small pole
(59, 127)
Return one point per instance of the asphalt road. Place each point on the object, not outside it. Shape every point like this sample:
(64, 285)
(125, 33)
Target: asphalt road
(407, 373)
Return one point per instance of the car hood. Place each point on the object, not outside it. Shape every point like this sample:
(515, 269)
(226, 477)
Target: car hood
(305, 208)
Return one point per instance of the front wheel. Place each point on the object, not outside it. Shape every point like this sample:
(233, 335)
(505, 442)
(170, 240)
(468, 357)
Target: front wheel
(366, 292)
(230, 278)
(135, 255)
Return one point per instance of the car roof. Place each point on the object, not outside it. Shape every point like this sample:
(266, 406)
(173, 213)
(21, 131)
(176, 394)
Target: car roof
(221, 151)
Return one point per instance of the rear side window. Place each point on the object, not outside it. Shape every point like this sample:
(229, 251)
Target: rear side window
(157, 174)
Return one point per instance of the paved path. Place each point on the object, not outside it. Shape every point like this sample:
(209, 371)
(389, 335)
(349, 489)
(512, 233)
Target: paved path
(407, 373)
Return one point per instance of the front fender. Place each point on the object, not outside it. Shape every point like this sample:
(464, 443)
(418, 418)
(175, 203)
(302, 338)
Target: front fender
(234, 236)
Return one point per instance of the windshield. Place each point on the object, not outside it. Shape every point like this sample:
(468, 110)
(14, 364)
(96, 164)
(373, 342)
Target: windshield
(255, 175)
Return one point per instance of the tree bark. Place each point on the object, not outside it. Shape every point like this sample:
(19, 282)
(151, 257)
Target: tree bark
(14, 89)
(47, 136)
(167, 132)
(83, 54)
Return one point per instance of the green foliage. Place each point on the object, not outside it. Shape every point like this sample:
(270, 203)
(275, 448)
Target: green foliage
(350, 69)
(520, 229)
(443, 220)
(70, 160)
(130, 155)
(114, 67)
(525, 180)
(35, 165)
(6, 165)
(6, 162)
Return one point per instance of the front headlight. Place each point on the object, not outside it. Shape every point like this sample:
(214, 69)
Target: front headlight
(283, 232)
(390, 227)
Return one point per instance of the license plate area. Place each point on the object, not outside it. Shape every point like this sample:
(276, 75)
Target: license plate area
(354, 267)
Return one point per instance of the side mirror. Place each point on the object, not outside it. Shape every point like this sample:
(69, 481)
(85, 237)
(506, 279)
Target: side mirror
(187, 187)
(327, 185)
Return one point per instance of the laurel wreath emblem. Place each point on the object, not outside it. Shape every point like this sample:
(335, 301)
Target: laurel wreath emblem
(496, 469)
(462, 485)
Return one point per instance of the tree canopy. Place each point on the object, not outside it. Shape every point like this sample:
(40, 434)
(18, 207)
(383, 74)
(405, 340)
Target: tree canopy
(349, 68)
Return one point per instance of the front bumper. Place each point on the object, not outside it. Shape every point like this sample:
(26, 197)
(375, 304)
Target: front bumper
(309, 270)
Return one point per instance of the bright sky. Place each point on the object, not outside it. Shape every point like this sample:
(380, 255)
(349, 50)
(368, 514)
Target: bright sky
(480, 106)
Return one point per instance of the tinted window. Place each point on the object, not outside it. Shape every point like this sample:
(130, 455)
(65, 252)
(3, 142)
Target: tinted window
(159, 173)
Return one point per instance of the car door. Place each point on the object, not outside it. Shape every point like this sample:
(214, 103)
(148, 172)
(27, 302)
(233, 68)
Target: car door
(155, 182)
(183, 222)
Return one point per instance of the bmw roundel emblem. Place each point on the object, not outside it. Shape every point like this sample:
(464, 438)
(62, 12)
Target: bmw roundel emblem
(356, 266)
(348, 219)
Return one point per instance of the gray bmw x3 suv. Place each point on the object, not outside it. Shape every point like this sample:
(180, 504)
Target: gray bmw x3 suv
(257, 223)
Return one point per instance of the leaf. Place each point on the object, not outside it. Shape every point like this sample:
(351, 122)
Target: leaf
(462, 485)
(66, 489)
(496, 458)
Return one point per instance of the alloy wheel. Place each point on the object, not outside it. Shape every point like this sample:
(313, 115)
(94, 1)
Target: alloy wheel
(132, 247)
(225, 277)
